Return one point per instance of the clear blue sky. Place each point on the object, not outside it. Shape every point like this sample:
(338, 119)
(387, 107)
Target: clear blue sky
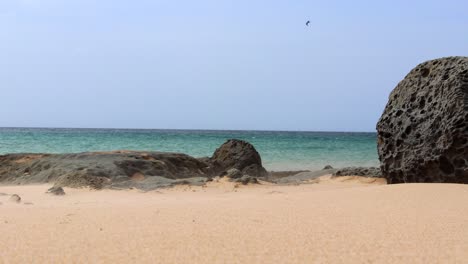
(240, 64)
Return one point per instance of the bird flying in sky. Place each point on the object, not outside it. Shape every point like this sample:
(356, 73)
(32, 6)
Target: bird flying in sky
(307, 23)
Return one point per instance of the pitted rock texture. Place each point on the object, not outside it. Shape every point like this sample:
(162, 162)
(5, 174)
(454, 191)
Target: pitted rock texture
(423, 132)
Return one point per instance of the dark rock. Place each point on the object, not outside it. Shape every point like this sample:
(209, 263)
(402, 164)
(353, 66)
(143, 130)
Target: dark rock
(56, 190)
(246, 179)
(132, 169)
(256, 170)
(233, 173)
(423, 131)
(238, 154)
(15, 198)
(97, 169)
(328, 167)
(359, 171)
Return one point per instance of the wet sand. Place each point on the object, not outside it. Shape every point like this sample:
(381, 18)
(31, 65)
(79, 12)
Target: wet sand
(344, 220)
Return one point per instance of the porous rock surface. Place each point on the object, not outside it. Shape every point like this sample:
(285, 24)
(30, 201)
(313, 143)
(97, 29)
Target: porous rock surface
(423, 131)
(128, 169)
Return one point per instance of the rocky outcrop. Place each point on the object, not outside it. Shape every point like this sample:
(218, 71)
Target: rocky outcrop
(98, 169)
(238, 154)
(129, 169)
(359, 171)
(423, 131)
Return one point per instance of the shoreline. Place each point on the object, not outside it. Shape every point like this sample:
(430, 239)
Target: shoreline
(147, 170)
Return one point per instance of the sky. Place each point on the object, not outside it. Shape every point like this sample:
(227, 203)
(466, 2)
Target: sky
(241, 64)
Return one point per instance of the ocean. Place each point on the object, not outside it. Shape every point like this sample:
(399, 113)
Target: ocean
(280, 150)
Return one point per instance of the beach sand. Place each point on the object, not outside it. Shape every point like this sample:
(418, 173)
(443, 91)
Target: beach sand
(344, 220)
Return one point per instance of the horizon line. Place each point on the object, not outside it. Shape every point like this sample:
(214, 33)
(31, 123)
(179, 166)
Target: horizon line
(194, 129)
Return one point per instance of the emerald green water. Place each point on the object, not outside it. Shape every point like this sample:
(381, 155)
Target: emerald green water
(279, 150)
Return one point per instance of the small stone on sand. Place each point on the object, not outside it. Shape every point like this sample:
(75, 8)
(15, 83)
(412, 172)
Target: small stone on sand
(56, 191)
(15, 198)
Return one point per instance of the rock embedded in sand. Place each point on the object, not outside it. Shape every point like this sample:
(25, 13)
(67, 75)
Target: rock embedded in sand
(302, 177)
(238, 154)
(246, 179)
(56, 190)
(359, 171)
(100, 170)
(15, 198)
(423, 131)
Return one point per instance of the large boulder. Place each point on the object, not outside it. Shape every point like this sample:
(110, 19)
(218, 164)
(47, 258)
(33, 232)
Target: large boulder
(238, 154)
(423, 132)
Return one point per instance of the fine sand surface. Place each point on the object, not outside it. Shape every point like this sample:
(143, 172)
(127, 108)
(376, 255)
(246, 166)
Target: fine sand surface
(344, 220)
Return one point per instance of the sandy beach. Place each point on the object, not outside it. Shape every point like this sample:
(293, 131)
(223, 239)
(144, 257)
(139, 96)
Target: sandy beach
(343, 220)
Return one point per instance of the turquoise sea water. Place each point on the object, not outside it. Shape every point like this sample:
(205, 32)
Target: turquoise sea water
(279, 150)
